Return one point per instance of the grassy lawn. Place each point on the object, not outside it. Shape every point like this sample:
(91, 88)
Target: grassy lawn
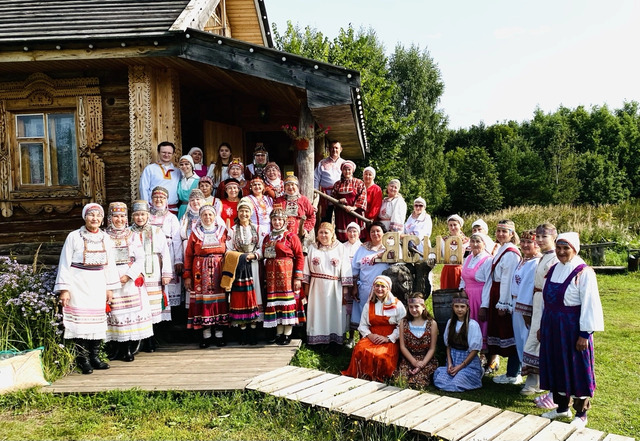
(248, 415)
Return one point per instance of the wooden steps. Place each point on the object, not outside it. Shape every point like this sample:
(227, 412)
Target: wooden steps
(422, 413)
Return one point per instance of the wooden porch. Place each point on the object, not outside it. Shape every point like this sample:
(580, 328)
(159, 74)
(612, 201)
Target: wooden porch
(183, 367)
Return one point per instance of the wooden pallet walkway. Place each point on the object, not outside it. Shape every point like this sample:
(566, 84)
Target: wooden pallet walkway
(423, 413)
(183, 367)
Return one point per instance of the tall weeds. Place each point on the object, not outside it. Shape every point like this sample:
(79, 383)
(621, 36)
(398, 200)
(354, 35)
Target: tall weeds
(603, 223)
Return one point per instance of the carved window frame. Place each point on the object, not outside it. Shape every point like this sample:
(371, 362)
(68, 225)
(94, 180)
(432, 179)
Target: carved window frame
(41, 94)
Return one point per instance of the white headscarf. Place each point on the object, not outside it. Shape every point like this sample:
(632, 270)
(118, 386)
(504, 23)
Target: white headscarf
(572, 238)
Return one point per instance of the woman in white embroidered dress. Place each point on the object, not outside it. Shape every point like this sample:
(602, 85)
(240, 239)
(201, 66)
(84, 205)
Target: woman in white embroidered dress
(87, 276)
(130, 317)
(350, 247)
(327, 276)
(497, 303)
(161, 217)
(158, 270)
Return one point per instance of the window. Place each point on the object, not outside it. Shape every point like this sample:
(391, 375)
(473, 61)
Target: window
(47, 147)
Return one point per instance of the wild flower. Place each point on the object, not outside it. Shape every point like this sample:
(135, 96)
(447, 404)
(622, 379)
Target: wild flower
(29, 316)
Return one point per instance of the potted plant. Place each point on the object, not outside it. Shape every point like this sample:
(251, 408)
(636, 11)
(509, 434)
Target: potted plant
(302, 140)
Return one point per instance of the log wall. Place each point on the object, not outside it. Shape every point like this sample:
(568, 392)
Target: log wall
(22, 233)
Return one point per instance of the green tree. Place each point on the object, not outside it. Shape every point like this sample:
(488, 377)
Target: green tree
(416, 97)
(602, 181)
(473, 183)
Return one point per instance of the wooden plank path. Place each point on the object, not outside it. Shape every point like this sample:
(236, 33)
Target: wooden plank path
(423, 413)
(183, 367)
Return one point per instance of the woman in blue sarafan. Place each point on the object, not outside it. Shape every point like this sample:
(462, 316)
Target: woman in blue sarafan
(572, 312)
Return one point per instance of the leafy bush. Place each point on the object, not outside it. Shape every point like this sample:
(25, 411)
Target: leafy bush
(29, 315)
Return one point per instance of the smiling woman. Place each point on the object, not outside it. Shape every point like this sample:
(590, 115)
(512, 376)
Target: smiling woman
(87, 276)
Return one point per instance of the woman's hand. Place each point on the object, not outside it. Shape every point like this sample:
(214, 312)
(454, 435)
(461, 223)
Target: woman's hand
(297, 284)
(187, 284)
(166, 280)
(109, 296)
(582, 344)
(354, 293)
(378, 339)
(482, 314)
(65, 297)
(124, 279)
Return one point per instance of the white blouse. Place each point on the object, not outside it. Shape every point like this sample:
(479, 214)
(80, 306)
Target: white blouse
(474, 334)
(583, 290)
(365, 325)
(502, 273)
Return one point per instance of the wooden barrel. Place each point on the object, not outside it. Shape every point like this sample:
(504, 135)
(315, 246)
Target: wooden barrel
(441, 300)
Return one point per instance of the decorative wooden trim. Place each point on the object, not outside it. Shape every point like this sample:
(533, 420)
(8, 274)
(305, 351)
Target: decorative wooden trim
(195, 15)
(96, 167)
(41, 93)
(41, 89)
(6, 207)
(139, 124)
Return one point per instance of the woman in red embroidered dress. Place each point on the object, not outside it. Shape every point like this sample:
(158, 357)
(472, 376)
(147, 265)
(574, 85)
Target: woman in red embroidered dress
(202, 274)
(283, 267)
(352, 193)
(375, 357)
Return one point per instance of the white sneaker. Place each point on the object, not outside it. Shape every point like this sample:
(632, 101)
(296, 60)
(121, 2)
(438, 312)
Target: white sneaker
(504, 379)
(530, 390)
(553, 414)
(579, 422)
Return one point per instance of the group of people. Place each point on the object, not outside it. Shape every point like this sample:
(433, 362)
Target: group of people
(232, 246)
(537, 305)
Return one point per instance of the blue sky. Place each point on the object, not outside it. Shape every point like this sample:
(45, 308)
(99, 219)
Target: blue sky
(500, 59)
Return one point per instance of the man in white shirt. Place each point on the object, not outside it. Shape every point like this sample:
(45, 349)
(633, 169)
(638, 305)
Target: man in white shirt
(163, 173)
(327, 173)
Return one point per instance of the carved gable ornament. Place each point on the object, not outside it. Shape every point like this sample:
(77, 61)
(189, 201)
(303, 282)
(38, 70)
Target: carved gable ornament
(42, 98)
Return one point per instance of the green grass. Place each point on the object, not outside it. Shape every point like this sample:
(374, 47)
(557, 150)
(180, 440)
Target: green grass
(250, 415)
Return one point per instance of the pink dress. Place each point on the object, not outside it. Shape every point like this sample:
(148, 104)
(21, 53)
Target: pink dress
(473, 288)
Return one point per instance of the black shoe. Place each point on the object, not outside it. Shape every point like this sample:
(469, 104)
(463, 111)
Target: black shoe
(149, 345)
(112, 348)
(125, 352)
(220, 342)
(253, 337)
(205, 343)
(243, 337)
(84, 365)
(285, 340)
(94, 355)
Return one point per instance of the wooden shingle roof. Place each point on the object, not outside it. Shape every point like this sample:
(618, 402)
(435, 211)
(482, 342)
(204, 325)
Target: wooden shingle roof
(28, 20)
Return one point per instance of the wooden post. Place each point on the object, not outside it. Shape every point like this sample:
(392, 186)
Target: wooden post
(304, 159)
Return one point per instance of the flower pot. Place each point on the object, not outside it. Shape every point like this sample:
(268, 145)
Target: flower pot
(302, 144)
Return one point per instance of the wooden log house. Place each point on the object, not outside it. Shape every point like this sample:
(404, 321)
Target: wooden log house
(88, 88)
